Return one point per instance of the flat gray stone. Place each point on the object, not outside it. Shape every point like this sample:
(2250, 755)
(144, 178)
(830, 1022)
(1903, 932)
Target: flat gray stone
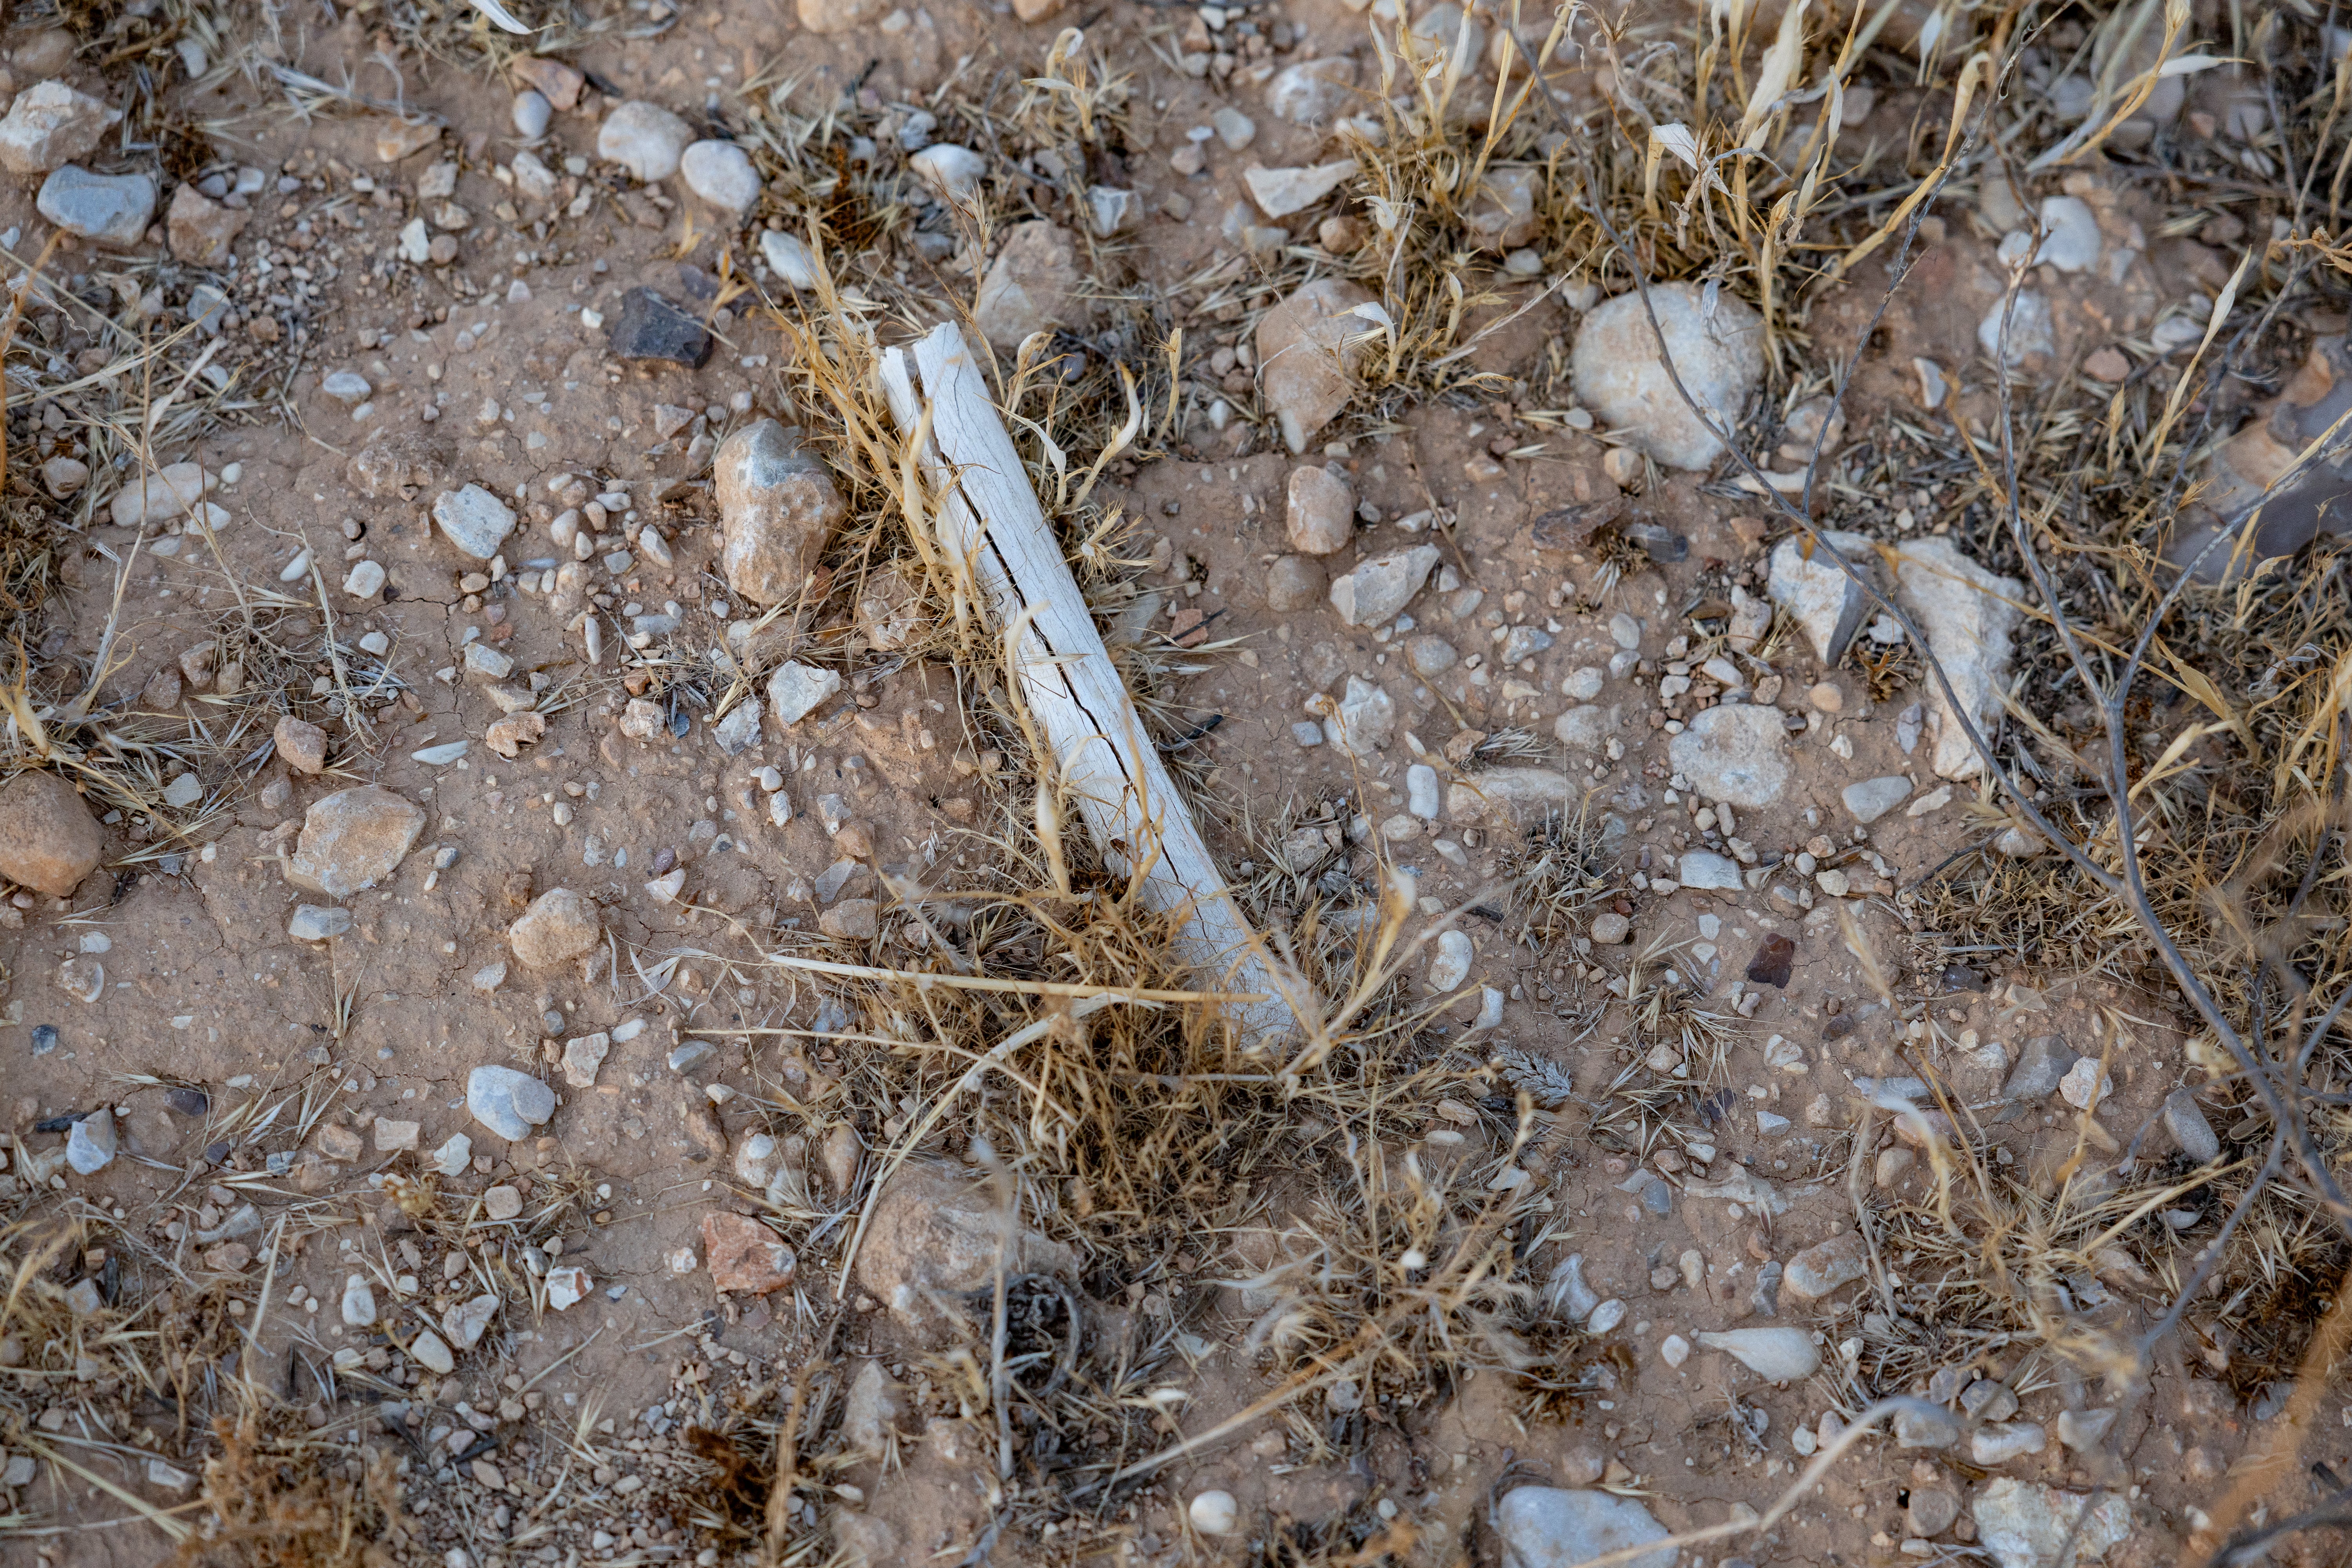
(1553, 1527)
(1717, 347)
(1920, 1426)
(1871, 799)
(317, 922)
(2025, 1524)
(50, 122)
(1362, 721)
(1379, 588)
(583, 1056)
(1705, 868)
(508, 1102)
(1828, 605)
(474, 520)
(2191, 1133)
(2083, 1430)
(113, 209)
(1967, 614)
(740, 729)
(1735, 753)
(1783, 1354)
(796, 690)
(1567, 1293)
(352, 840)
(2041, 1064)
(465, 1321)
(1989, 1399)
(90, 1147)
(1823, 1267)
(1586, 728)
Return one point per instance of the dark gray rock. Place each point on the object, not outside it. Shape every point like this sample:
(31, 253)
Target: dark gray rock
(2040, 1066)
(652, 327)
(2191, 1131)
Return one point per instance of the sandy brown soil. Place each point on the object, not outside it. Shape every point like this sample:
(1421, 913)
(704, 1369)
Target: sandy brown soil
(486, 370)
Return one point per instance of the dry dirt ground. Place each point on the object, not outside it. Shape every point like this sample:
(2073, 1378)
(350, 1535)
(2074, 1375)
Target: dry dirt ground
(564, 1436)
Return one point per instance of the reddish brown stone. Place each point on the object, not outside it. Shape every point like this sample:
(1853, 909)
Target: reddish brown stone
(48, 840)
(744, 1254)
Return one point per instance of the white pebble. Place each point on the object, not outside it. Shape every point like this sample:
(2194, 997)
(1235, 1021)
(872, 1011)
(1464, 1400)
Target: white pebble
(1216, 1513)
(531, 113)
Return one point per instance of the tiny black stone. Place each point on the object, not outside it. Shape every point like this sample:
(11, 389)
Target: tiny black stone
(650, 327)
(216, 1154)
(189, 1101)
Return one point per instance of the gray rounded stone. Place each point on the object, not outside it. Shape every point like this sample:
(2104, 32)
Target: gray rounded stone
(531, 113)
(1873, 799)
(508, 1102)
(722, 173)
(1321, 514)
(644, 138)
(113, 209)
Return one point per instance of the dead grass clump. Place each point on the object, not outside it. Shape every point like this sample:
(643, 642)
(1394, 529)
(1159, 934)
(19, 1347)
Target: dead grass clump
(1373, 1201)
(272, 1497)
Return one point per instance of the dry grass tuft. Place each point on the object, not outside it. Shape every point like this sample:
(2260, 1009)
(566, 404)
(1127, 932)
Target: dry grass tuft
(274, 1499)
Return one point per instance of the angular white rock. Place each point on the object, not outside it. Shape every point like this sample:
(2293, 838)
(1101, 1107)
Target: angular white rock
(1967, 614)
(788, 258)
(1717, 349)
(1553, 1527)
(1827, 604)
(2025, 1524)
(474, 520)
(796, 689)
(89, 1146)
(1781, 1354)
(2072, 242)
(508, 1102)
(1703, 868)
(1378, 588)
(1282, 192)
(949, 169)
(1451, 965)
